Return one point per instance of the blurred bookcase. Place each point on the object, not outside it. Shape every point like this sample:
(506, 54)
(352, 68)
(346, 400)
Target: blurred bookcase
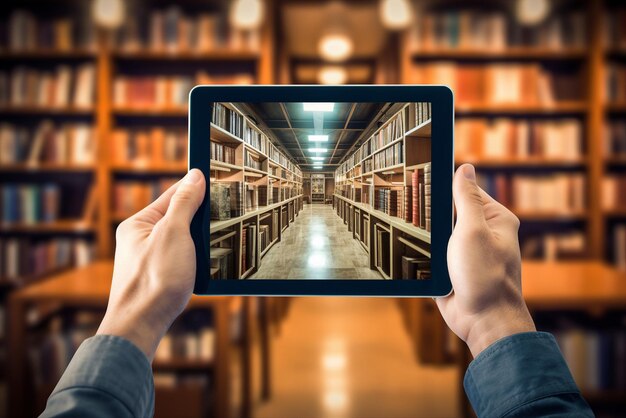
(533, 115)
(89, 118)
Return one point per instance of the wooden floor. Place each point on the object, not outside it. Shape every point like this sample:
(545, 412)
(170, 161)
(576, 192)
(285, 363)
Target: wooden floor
(346, 357)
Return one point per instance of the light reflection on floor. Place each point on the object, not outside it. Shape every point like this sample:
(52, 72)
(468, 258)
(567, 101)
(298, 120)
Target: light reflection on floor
(350, 357)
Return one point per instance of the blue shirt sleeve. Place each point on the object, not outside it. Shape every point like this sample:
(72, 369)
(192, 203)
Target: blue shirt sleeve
(523, 375)
(107, 377)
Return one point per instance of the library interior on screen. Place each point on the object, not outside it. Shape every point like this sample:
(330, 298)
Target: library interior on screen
(363, 213)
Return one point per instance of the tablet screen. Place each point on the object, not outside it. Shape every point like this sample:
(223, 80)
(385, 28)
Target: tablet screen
(320, 191)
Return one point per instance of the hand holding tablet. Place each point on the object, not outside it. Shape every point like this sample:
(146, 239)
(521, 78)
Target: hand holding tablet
(390, 148)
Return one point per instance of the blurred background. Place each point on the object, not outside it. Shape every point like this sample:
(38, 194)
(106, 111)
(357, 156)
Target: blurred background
(540, 91)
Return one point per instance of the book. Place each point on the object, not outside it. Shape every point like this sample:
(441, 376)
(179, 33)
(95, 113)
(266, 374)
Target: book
(613, 197)
(615, 139)
(130, 196)
(29, 203)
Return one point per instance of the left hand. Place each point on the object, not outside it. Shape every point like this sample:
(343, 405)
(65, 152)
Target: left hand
(155, 266)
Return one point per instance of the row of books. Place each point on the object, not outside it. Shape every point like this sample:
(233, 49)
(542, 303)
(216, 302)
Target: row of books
(558, 193)
(394, 130)
(172, 30)
(23, 258)
(72, 143)
(415, 268)
(51, 355)
(191, 345)
(615, 139)
(389, 156)
(469, 29)
(149, 146)
(613, 196)
(615, 86)
(619, 246)
(25, 32)
(501, 83)
(152, 91)
(596, 357)
(505, 138)
(418, 113)
(554, 246)
(222, 263)
(130, 196)
(64, 87)
(252, 161)
(388, 201)
(614, 33)
(29, 203)
(223, 153)
(248, 247)
(420, 198)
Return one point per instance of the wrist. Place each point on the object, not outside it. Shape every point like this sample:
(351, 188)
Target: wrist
(497, 324)
(134, 326)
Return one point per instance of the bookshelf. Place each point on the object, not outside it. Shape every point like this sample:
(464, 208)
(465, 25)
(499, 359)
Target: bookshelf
(375, 185)
(111, 115)
(550, 237)
(256, 193)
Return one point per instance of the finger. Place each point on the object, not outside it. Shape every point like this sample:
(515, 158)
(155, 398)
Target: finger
(468, 199)
(187, 197)
(157, 209)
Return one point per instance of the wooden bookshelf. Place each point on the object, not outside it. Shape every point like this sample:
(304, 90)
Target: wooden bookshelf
(60, 226)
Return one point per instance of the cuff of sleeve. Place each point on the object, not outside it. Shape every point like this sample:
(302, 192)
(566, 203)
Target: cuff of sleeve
(116, 366)
(517, 370)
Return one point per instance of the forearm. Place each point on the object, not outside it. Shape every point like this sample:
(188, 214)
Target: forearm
(523, 375)
(107, 377)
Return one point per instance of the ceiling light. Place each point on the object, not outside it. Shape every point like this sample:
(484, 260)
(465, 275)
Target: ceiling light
(335, 46)
(531, 12)
(318, 138)
(108, 13)
(317, 167)
(246, 14)
(317, 158)
(318, 107)
(332, 75)
(395, 14)
(318, 149)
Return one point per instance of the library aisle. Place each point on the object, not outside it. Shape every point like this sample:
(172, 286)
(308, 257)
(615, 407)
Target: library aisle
(316, 246)
(351, 357)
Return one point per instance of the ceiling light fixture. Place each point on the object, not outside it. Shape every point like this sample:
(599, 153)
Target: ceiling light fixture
(246, 14)
(335, 46)
(317, 158)
(318, 149)
(108, 14)
(318, 138)
(532, 12)
(332, 75)
(395, 14)
(318, 107)
(317, 167)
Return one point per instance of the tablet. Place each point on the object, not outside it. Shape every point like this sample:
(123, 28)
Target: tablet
(323, 190)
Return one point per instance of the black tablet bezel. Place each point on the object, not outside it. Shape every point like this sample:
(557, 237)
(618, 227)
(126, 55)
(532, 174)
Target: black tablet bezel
(201, 99)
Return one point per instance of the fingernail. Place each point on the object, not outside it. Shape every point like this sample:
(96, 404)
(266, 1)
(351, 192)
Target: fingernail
(192, 177)
(469, 172)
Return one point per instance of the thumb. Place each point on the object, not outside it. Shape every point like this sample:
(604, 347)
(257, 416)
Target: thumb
(467, 197)
(188, 197)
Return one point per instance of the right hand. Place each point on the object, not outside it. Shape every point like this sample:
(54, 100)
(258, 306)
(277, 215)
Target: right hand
(485, 268)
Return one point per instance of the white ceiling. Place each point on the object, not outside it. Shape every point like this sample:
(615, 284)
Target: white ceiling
(303, 25)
